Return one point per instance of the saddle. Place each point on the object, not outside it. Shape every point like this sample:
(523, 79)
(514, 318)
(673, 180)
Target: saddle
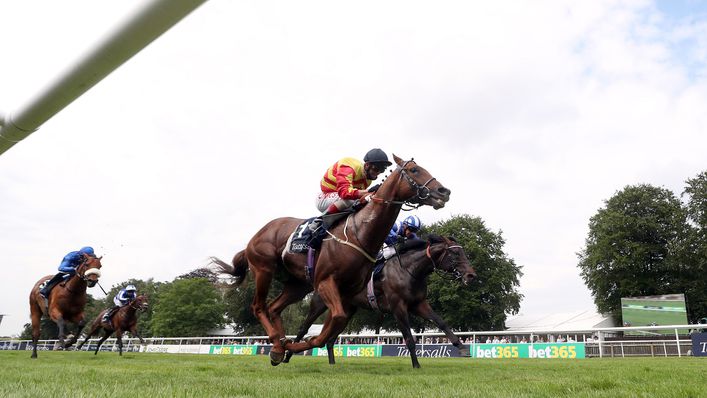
(304, 238)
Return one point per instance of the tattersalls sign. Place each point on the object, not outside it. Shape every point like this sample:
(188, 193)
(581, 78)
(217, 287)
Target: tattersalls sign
(549, 350)
(699, 344)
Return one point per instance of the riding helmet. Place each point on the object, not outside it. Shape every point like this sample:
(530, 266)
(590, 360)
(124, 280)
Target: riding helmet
(87, 250)
(377, 156)
(413, 222)
(130, 287)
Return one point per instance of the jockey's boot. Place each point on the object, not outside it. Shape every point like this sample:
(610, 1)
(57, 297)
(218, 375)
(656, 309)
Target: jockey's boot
(109, 314)
(332, 209)
(47, 286)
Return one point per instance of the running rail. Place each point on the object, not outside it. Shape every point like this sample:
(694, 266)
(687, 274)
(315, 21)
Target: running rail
(139, 30)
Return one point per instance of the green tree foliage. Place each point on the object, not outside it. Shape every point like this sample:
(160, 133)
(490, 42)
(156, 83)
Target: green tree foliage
(187, 307)
(695, 247)
(485, 304)
(633, 247)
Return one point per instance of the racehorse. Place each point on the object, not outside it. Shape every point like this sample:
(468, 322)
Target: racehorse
(66, 301)
(343, 263)
(124, 320)
(402, 290)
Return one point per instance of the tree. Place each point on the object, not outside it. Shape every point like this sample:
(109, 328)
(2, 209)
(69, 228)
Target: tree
(633, 247)
(187, 307)
(694, 249)
(486, 303)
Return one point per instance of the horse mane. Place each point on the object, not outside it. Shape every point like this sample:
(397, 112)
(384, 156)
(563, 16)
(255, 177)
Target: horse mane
(434, 238)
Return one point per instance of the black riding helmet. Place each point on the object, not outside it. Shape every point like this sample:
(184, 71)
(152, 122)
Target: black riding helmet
(377, 157)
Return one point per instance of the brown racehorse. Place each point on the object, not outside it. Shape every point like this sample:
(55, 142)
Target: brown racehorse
(124, 320)
(402, 290)
(66, 301)
(344, 260)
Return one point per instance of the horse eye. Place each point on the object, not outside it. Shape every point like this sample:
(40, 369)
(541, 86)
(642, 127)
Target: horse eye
(414, 170)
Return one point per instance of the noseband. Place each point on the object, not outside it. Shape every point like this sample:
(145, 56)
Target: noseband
(454, 274)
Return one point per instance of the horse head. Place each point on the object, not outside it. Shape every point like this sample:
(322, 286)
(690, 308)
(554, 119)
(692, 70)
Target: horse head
(413, 184)
(90, 269)
(449, 259)
(140, 303)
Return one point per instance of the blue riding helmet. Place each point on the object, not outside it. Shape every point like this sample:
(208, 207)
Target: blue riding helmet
(413, 222)
(87, 250)
(130, 288)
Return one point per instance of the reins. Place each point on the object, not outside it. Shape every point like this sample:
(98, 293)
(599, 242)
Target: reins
(422, 192)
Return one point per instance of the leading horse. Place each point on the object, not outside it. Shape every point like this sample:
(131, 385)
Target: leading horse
(66, 301)
(344, 260)
(124, 320)
(402, 290)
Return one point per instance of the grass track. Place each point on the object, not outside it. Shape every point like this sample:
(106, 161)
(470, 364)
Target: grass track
(81, 374)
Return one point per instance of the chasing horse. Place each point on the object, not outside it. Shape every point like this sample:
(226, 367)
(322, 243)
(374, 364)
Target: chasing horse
(65, 302)
(124, 320)
(343, 262)
(402, 290)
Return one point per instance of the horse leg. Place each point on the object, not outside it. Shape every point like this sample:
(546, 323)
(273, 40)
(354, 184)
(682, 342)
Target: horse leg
(106, 334)
(336, 322)
(263, 278)
(316, 308)
(401, 316)
(81, 323)
(119, 336)
(36, 319)
(424, 310)
(330, 351)
(62, 326)
(291, 292)
(90, 333)
(134, 333)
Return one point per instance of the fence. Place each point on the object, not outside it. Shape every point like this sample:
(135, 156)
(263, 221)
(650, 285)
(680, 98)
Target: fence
(598, 342)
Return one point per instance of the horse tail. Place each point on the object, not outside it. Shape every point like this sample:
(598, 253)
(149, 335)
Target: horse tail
(238, 267)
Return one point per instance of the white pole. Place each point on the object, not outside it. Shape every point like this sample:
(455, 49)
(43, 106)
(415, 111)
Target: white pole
(147, 24)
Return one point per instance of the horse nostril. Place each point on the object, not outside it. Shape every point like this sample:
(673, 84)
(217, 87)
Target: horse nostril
(444, 191)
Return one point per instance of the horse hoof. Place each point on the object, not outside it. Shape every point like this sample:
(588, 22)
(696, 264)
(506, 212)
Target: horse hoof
(276, 357)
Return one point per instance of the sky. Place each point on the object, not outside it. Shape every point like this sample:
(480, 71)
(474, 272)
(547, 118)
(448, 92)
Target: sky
(532, 113)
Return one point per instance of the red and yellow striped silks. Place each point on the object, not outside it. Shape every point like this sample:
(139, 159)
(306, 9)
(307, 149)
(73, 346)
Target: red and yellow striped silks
(346, 177)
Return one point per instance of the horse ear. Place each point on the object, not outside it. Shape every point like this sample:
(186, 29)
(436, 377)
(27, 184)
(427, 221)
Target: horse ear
(398, 161)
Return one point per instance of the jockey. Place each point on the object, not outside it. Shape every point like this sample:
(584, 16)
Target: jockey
(406, 229)
(67, 268)
(124, 297)
(345, 183)
(401, 232)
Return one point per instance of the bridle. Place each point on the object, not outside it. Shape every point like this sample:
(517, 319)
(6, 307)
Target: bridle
(80, 273)
(452, 275)
(138, 304)
(422, 192)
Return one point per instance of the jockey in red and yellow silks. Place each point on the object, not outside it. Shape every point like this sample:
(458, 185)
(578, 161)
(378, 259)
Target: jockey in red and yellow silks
(346, 181)
(347, 178)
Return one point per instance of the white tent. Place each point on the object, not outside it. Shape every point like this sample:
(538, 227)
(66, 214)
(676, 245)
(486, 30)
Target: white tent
(567, 321)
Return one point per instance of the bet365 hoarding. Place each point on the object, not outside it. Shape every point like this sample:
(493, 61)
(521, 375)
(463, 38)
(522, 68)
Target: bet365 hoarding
(540, 350)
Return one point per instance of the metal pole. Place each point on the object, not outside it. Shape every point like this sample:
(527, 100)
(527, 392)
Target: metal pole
(148, 23)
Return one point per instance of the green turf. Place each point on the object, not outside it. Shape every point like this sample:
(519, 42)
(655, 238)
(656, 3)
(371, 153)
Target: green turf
(81, 374)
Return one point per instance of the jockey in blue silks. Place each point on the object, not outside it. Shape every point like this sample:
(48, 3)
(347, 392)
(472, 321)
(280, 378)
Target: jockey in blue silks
(67, 268)
(401, 231)
(124, 297)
